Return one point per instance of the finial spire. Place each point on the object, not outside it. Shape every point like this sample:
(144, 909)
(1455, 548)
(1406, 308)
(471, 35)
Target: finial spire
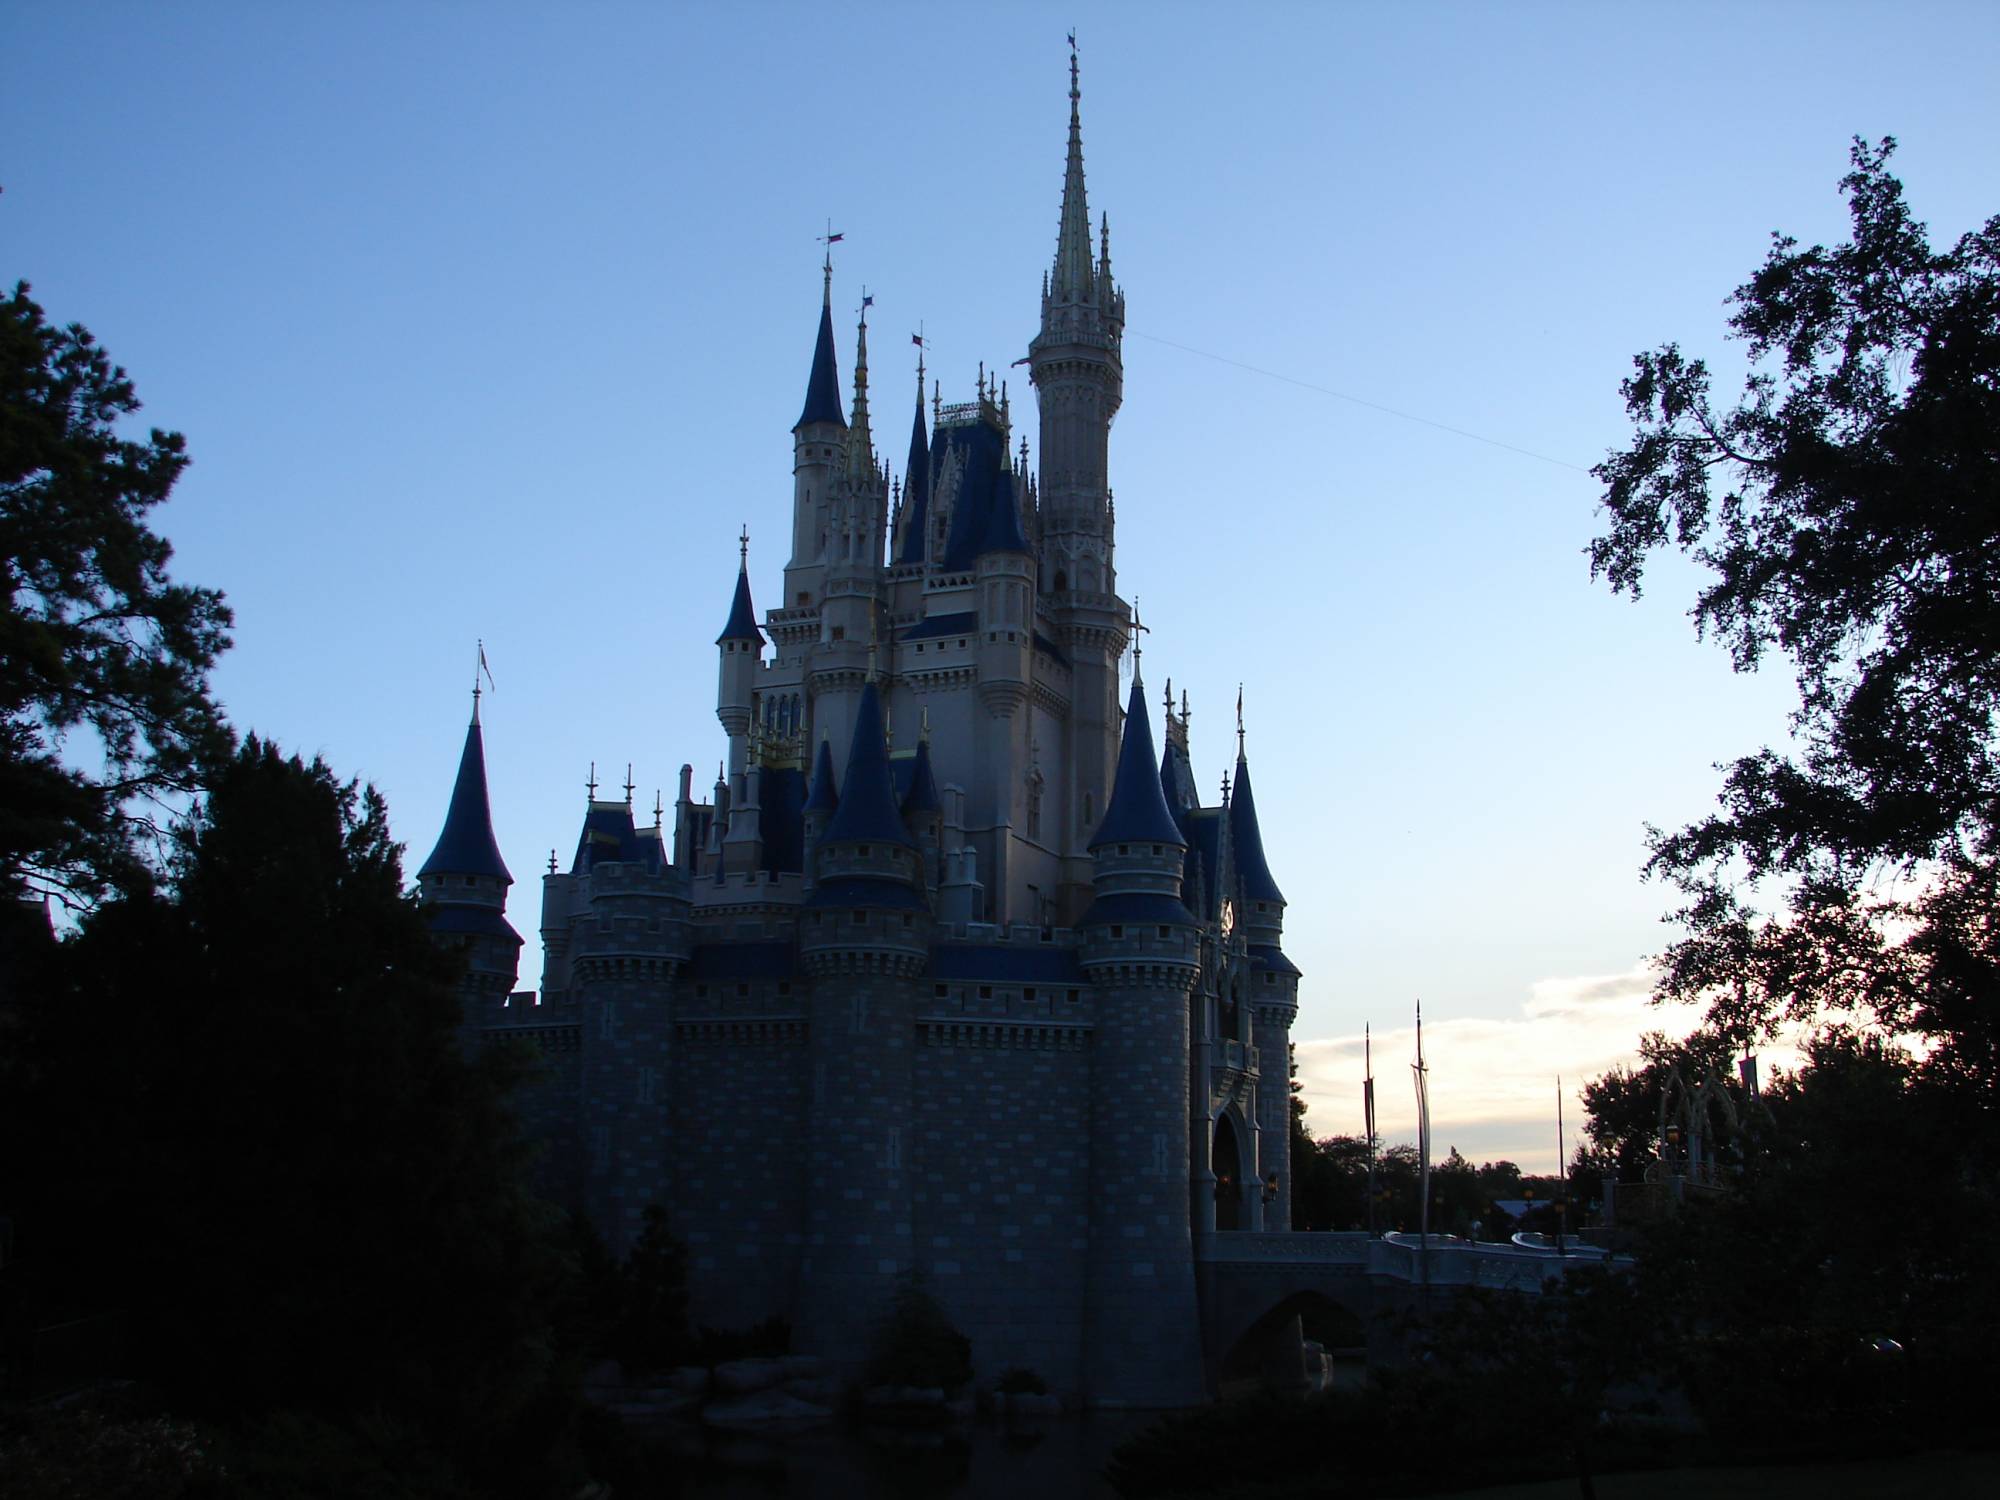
(861, 444)
(1169, 706)
(659, 808)
(590, 786)
(628, 783)
(1137, 627)
(1239, 721)
(743, 547)
(1073, 276)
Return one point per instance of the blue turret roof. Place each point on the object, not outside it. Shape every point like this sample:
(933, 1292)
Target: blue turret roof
(1003, 524)
(916, 489)
(825, 795)
(609, 836)
(467, 845)
(1137, 812)
(823, 387)
(868, 811)
(742, 624)
(981, 449)
(922, 796)
(1248, 842)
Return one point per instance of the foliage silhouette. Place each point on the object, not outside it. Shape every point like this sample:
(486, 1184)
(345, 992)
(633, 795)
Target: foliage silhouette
(1847, 508)
(105, 715)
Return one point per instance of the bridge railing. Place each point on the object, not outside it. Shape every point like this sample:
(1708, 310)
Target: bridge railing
(1451, 1261)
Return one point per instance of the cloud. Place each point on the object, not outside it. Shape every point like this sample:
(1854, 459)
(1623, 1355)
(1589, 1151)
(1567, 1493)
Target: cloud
(1493, 1079)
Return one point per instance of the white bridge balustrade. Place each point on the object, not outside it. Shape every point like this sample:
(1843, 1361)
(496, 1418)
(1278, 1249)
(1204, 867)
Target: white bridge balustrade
(1248, 1278)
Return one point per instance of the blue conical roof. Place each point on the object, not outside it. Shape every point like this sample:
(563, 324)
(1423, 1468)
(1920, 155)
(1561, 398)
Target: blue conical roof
(916, 490)
(922, 797)
(1003, 524)
(825, 795)
(823, 386)
(867, 811)
(1137, 813)
(467, 845)
(742, 624)
(1248, 841)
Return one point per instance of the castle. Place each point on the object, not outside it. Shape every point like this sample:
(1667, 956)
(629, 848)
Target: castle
(952, 975)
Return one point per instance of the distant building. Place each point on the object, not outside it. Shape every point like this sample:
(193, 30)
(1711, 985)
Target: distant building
(951, 974)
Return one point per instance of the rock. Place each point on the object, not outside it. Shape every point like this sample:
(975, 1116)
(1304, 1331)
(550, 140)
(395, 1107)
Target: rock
(739, 1377)
(820, 1390)
(648, 1404)
(902, 1395)
(1029, 1404)
(762, 1408)
(689, 1380)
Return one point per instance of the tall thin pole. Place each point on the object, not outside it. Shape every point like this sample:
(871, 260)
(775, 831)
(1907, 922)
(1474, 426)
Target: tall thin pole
(1368, 1116)
(1421, 1072)
(1562, 1169)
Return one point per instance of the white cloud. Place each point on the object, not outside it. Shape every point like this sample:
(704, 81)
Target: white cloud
(1493, 1080)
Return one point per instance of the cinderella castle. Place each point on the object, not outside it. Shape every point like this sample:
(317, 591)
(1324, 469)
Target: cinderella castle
(952, 976)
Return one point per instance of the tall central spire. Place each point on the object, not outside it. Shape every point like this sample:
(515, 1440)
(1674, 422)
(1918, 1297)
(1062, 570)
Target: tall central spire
(1073, 273)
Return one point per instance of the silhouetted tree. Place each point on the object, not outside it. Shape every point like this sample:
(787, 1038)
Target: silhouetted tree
(252, 1127)
(101, 655)
(1847, 508)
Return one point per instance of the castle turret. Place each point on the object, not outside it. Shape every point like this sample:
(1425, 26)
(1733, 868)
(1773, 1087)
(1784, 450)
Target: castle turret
(1274, 987)
(465, 882)
(858, 519)
(1076, 364)
(912, 540)
(1142, 1339)
(819, 446)
(822, 799)
(741, 646)
(864, 939)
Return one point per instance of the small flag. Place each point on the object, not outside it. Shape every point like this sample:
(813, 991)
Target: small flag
(486, 669)
(835, 239)
(917, 339)
(867, 301)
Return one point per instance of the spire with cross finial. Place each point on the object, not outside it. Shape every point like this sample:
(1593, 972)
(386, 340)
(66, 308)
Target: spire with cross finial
(628, 783)
(590, 786)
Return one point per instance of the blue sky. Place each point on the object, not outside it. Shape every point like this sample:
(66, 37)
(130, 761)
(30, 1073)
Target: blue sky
(492, 321)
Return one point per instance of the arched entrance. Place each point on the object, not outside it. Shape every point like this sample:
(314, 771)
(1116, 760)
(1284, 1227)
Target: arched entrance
(1227, 1159)
(1272, 1351)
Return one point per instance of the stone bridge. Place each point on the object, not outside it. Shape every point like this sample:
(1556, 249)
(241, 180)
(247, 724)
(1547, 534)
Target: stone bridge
(1253, 1283)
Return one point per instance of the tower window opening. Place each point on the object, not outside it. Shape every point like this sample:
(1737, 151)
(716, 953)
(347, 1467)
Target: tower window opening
(861, 919)
(1072, 997)
(1166, 932)
(742, 991)
(784, 986)
(1028, 994)
(1117, 931)
(986, 992)
(940, 990)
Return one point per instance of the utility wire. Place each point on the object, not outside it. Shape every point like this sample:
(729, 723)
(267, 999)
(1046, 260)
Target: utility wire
(1223, 359)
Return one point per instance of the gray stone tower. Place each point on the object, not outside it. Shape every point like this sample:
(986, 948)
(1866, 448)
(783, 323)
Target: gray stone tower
(1076, 363)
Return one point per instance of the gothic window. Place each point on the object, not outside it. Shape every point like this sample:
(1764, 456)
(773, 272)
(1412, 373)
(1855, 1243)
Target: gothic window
(1089, 807)
(1035, 804)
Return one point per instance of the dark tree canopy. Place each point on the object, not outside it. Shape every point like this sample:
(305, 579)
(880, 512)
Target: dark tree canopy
(104, 705)
(1847, 508)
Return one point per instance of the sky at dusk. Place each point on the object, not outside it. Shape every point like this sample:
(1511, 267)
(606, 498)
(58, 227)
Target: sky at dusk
(492, 321)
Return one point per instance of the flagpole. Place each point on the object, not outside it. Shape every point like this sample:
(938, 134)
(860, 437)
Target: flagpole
(1424, 1160)
(1562, 1171)
(1368, 1116)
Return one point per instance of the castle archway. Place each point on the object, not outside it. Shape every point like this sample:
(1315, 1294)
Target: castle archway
(1227, 1158)
(1270, 1350)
